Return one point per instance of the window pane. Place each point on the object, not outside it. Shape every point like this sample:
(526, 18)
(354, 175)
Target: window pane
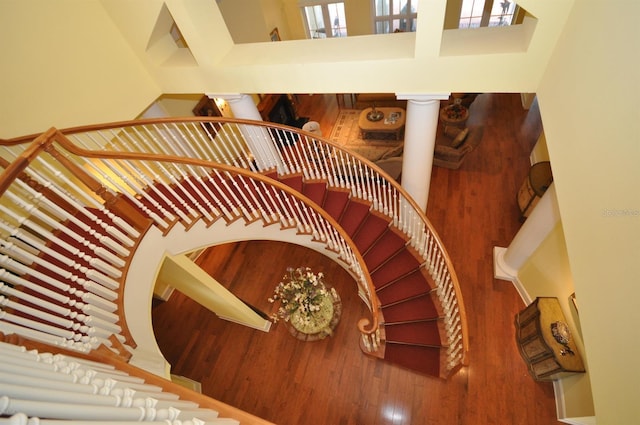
(336, 15)
(502, 7)
(396, 6)
(471, 13)
(471, 8)
(408, 25)
(315, 21)
(382, 27)
(478, 7)
(501, 13)
(382, 8)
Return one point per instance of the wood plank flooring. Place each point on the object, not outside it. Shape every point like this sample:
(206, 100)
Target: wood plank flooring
(331, 382)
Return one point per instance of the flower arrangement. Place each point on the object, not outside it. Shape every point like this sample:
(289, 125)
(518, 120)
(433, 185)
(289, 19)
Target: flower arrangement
(303, 297)
(455, 111)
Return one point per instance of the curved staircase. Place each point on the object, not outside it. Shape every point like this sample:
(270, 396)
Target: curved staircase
(413, 331)
(78, 203)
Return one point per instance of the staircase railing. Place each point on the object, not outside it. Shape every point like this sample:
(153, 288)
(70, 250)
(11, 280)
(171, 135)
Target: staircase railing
(257, 147)
(66, 385)
(44, 209)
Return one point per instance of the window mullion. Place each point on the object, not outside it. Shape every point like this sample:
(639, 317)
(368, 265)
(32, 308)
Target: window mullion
(328, 25)
(486, 13)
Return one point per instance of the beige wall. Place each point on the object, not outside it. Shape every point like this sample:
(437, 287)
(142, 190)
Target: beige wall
(547, 274)
(112, 71)
(64, 63)
(588, 98)
(245, 21)
(358, 15)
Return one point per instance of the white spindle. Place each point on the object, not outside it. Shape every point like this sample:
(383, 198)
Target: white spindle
(84, 195)
(153, 215)
(225, 208)
(24, 270)
(247, 207)
(133, 184)
(246, 188)
(29, 208)
(233, 141)
(64, 215)
(260, 189)
(202, 146)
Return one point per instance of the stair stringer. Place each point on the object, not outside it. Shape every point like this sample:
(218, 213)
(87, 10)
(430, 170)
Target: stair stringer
(147, 260)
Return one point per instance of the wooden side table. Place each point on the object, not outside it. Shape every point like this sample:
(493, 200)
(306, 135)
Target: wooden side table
(390, 126)
(545, 341)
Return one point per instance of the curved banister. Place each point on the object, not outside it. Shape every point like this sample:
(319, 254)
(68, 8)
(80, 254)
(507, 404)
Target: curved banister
(292, 151)
(366, 326)
(61, 139)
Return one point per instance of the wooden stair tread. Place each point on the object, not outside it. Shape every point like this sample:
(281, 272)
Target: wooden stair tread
(421, 359)
(418, 308)
(373, 227)
(385, 248)
(425, 333)
(351, 219)
(335, 201)
(408, 286)
(402, 263)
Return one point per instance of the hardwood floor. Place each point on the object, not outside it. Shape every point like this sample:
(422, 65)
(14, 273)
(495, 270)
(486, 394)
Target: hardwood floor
(331, 382)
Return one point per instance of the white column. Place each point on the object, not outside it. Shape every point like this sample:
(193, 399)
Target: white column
(258, 139)
(242, 105)
(541, 221)
(419, 143)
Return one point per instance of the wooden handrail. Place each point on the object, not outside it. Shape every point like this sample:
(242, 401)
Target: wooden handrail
(403, 197)
(365, 326)
(95, 186)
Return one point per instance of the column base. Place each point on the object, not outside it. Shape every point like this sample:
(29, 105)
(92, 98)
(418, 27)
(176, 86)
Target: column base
(503, 271)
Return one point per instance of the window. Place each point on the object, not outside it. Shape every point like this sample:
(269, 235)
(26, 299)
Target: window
(325, 19)
(394, 16)
(486, 13)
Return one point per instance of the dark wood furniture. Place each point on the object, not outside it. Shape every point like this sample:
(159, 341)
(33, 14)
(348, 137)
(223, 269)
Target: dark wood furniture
(281, 109)
(533, 187)
(545, 341)
(206, 107)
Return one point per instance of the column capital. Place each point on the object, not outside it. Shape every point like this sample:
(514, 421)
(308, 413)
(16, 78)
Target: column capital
(423, 97)
(229, 97)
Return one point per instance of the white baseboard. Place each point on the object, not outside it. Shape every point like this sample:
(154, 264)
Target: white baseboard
(265, 328)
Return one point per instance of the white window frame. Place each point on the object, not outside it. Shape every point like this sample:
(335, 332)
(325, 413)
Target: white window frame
(324, 4)
(410, 17)
(487, 19)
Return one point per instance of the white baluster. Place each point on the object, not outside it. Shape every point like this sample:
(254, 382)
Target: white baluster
(41, 200)
(12, 406)
(151, 214)
(29, 208)
(84, 194)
